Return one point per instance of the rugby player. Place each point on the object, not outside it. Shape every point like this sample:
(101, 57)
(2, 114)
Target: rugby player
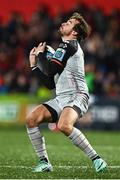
(64, 72)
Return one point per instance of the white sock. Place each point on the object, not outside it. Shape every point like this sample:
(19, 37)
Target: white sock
(38, 142)
(78, 138)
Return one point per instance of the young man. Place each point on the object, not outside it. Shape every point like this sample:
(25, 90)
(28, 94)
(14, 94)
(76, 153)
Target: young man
(71, 101)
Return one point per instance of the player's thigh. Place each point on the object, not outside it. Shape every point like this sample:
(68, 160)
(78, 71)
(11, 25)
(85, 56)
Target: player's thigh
(38, 115)
(54, 108)
(68, 117)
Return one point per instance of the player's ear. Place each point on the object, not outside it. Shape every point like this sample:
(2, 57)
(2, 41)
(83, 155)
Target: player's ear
(74, 33)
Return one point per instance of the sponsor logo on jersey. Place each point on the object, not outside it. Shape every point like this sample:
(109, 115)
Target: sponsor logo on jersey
(59, 54)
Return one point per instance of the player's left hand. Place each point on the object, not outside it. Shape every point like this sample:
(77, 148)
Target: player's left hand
(40, 48)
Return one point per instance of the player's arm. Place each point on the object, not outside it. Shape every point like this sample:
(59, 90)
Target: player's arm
(59, 59)
(45, 66)
(47, 81)
(56, 65)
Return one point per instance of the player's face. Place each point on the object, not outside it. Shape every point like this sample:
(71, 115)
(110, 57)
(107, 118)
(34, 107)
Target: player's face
(67, 28)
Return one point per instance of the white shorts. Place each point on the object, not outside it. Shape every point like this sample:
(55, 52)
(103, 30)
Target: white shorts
(56, 105)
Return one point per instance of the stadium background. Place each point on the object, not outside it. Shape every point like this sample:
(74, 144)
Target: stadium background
(25, 23)
(23, 26)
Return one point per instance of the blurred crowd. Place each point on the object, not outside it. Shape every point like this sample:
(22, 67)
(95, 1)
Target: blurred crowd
(102, 49)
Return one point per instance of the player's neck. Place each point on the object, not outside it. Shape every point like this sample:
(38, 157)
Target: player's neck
(68, 38)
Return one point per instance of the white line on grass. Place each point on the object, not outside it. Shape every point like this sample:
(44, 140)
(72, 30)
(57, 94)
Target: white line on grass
(84, 167)
(107, 147)
(14, 167)
(62, 167)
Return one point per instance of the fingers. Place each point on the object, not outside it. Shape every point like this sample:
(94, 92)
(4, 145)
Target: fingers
(40, 48)
(37, 50)
(42, 44)
(33, 50)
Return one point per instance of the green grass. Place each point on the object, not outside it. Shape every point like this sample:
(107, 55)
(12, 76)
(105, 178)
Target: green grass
(17, 156)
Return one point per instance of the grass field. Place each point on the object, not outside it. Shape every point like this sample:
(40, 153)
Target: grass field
(17, 156)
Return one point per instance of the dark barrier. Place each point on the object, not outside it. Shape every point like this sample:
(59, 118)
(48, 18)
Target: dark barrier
(103, 113)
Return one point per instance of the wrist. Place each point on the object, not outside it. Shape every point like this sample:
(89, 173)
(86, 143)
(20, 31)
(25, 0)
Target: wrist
(32, 54)
(32, 66)
(36, 54)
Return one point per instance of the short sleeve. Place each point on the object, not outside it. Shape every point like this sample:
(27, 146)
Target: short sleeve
(63, 52)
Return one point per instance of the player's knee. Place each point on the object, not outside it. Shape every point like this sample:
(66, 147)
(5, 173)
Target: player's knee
(65, 128)
(30, 121)
(34, 119)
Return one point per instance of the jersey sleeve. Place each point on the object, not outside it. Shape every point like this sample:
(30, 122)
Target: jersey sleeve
(62, 54)
(58, 61)
(48, 81)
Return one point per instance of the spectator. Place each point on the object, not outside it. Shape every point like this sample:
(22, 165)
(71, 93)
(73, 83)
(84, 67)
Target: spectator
(102, 49)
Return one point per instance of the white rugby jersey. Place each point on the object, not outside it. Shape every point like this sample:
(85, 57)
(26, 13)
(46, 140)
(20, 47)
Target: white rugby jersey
(65, 72)
(72, 78)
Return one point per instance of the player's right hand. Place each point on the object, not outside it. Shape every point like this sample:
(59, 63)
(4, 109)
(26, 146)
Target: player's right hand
(40, 48)
(32, 57)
